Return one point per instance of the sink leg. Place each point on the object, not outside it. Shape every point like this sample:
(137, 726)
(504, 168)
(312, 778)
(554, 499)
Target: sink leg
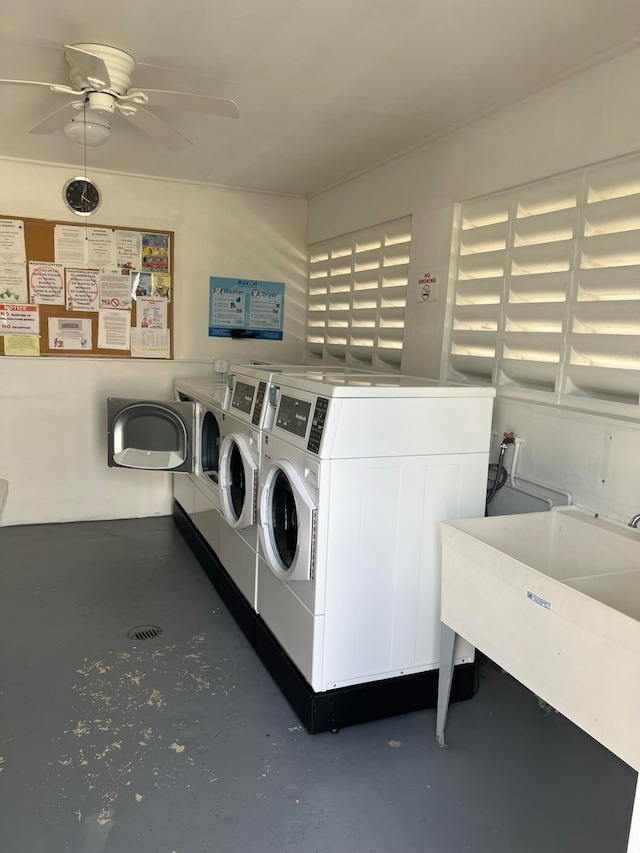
(447, 643)
(634, 832)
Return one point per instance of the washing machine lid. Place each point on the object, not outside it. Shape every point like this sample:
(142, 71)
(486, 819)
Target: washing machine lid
(384, 385)
(153, 435)
(238, 478)
(287, 522)
(203, 390)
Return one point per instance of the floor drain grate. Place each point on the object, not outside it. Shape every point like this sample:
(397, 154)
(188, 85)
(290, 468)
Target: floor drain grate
(144, 632)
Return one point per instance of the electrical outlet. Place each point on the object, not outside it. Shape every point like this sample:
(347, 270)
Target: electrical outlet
(220, 365)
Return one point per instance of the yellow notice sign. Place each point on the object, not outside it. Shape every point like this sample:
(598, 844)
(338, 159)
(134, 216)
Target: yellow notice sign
(21, 344)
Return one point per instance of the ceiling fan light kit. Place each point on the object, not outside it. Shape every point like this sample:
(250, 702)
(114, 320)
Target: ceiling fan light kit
(88, 130)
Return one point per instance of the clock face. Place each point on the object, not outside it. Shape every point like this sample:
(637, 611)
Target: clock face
(82, 196)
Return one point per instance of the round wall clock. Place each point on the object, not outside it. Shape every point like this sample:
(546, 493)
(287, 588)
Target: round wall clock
(81, 196)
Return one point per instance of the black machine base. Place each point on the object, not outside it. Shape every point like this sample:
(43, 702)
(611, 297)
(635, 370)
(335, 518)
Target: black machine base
(333, 709)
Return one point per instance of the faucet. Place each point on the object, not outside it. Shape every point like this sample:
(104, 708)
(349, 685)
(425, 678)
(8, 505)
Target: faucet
(634, 520)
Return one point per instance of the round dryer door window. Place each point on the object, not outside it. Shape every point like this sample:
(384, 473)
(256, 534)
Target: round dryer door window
(210, 448)
(237, 482)
(284, 519)
(287, 522)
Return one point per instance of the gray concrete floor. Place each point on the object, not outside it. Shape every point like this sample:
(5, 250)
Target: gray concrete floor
(184, 743)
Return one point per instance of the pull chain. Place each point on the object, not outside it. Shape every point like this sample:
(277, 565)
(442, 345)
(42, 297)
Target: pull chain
(84, 129)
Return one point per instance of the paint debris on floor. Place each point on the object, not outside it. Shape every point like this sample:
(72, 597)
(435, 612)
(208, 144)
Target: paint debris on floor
(182, 743)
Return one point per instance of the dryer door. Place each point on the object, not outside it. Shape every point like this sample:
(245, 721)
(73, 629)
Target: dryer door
(155, 435)
(287, 522)
(210, 448)
(238, 481)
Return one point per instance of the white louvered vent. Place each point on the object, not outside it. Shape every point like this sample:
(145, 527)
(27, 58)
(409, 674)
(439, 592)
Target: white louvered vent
(358, 295)
(546, 300)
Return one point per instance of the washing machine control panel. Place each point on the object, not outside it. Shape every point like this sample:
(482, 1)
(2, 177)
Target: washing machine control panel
(317, 424)
(242, 399)
(257, 409)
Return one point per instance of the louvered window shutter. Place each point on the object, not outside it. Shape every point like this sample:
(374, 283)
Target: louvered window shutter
(546, 301)
(358, 294)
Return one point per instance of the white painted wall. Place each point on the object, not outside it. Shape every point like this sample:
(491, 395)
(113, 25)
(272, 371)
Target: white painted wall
(588, 118)
(52, 421)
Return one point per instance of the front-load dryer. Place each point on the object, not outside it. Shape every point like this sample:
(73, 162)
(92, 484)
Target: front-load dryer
(183, 484)
(238, 474)
(172, 436)
(249, 407)
(356, 474)
(206, 489)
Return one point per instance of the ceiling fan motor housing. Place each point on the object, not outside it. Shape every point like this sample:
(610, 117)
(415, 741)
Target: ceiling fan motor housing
(119, 66)
(101, 103)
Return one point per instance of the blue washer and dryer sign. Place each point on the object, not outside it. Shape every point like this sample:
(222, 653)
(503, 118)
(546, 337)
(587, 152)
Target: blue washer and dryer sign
(245, 308)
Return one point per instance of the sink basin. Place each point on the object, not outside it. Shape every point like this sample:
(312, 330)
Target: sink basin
(564, 543)
(554, 599)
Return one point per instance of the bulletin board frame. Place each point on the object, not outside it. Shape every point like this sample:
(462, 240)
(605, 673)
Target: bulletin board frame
(40, 246)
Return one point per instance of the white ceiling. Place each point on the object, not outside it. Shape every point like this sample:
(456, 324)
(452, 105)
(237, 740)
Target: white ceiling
(325, 88)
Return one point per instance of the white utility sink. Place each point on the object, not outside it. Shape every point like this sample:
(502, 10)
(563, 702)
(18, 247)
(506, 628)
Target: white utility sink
(569, 545)
(554, 599)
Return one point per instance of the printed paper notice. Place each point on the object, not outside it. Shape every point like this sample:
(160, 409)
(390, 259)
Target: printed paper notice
(70, 245)
(70, 333)
(140, 284)
(82, 290)
(114, 329)
(155, 252)
(150, 343)
(21, 345)
(13, 283)
(19, 319)
(151, 313)
(46, 283)
(115, 289)
(145, 283)
(128, 249)
(12, 249)
(101, 247)
(160, 285)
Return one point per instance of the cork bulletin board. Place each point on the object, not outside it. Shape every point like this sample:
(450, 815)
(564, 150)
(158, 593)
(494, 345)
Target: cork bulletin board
(154, 300)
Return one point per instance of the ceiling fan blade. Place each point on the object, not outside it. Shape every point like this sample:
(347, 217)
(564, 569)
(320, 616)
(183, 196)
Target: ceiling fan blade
(158, 129)
(54, 87)
(188, 101)
(91, 67)
(55, 120)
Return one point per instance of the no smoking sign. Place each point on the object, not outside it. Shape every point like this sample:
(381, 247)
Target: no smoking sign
(427, 286)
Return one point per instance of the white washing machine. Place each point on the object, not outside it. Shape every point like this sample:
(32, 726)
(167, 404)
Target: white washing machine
(205, 513)
(356, 474)
(239, 458)
(248, 409)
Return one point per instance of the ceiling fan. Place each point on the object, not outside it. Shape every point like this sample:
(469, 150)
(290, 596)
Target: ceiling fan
(100, 80)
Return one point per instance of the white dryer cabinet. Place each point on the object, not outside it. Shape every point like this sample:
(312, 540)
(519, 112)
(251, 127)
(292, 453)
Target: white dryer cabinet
(355, 473)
